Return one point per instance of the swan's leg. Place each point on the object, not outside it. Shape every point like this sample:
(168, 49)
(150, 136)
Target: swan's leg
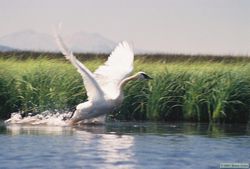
(72, 122)
(76, 117)
(100, 119)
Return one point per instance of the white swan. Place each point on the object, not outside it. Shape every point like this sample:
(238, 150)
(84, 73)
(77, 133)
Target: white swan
(105, 86)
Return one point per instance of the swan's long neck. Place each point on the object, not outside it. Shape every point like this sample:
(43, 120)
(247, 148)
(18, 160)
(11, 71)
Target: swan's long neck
(123, 83)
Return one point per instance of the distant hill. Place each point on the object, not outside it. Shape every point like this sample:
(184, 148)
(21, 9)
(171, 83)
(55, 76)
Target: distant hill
(29, 40)
(6, 48)
(91, 42)
(79, 42)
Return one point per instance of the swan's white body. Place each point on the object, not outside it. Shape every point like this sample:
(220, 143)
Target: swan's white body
(104, 86)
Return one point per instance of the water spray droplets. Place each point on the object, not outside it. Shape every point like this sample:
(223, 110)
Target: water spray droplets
(45, 118)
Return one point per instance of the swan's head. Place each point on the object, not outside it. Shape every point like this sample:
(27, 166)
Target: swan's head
(143, 76)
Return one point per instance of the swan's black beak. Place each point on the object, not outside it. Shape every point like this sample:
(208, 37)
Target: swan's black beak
(147, 77)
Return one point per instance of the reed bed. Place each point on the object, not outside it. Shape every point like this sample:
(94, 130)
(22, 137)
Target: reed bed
(199, 90)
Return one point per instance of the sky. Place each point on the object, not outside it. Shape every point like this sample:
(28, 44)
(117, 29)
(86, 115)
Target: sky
(162, 26)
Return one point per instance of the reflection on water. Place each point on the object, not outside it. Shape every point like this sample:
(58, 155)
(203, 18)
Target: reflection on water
(124, 145)
(119, 128)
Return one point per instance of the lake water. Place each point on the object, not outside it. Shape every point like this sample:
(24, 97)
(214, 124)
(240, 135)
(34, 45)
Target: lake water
(124, 145)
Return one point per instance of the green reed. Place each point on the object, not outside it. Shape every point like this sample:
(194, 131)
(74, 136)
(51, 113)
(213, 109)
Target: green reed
(200, 91)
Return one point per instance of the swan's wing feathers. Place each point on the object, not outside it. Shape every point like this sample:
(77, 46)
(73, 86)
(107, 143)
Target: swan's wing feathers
(93, 89)
(118, 66)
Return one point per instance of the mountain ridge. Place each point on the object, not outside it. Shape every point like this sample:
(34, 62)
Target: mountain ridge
(4, 48)
(30, 40)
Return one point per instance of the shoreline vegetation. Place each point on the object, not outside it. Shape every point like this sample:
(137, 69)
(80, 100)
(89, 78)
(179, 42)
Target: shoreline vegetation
(195, 88)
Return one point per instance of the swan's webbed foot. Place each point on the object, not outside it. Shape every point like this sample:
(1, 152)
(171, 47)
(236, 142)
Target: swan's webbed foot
(72, 122)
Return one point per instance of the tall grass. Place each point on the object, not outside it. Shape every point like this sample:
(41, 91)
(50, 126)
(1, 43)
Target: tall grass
(200, 90)
(35, 86)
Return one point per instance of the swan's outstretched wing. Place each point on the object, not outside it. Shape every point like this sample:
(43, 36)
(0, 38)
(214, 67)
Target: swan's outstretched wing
(93, 89)
(118, 66)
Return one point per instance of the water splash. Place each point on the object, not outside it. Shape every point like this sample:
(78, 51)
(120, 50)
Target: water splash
(44, 118)
(49, 118)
